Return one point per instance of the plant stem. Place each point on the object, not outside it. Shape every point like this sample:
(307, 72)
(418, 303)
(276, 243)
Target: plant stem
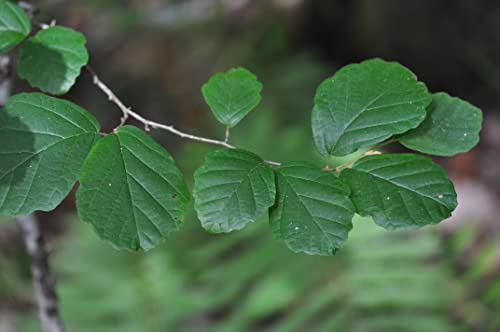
(227, 135)
(351, 161)
(43, 281)
(372, 151)
(328, 163)
(5, 78)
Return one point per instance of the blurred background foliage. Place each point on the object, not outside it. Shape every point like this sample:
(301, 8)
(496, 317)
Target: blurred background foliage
(157, 54)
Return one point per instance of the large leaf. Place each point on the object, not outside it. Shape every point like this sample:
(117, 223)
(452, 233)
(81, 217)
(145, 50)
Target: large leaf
(232, 189)
(14, 25)
(313, 212)
(452, 126)
(52, 59)
(44, 141)
(364, 104)
(400, 190)
(232, 95)
(131, 191)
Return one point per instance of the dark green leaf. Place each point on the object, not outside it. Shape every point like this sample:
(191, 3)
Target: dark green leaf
(52, 59)
(232, 95)
(400, 190)
(15, 25)
(364, 104)
(232, 189)
(44, 143)
(313, 212)
(131, 191)
(452, 126)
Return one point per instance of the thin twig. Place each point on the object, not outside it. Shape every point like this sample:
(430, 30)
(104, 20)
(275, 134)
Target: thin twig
(43, 281)
(32, 11)
(5, 78)
(148, 124)
(226, 139)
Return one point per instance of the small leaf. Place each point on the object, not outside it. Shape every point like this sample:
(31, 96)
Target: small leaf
(52, 59)
(452, 126)
(131, 191)
(313, 212)
(364, 104)
(15, 25)
(232, 95)
(401, 190)
(232, 189)
(44, 143)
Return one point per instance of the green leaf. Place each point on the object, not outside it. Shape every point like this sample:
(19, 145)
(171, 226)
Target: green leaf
(52, 59)
(313, 212)
(45, 141)
(232, 95)
(131, 191)
(15, 25)
(364, 104)
(452, 126)
(401, 190)
(231, 189)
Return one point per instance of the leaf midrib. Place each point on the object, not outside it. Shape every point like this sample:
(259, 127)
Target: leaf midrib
(357, 115)
(418, 193)
(11, 27)
(128, 177)
(238, 186)
(325, 234)
(42, 151)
